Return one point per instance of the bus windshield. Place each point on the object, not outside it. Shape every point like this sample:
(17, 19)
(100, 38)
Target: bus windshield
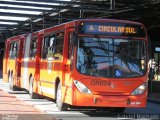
(111, 57)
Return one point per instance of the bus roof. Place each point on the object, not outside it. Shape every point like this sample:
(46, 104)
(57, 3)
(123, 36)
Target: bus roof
(76, 21)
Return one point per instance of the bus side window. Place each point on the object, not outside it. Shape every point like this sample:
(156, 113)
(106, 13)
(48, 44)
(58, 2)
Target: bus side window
(71, 44)
(10, 50)
(13, 52)
(59, 38)
(51, 47)
(71, 48)
(33, 48)
(45, 47)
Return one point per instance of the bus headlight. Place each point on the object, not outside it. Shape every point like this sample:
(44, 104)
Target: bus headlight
(140, 89)
(81, 87)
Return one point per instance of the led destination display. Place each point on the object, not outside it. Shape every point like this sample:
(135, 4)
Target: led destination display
(112, 29)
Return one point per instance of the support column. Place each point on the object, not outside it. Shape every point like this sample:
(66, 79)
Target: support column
(112, 4)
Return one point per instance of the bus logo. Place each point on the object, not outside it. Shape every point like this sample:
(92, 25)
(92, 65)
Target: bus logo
(91, 28)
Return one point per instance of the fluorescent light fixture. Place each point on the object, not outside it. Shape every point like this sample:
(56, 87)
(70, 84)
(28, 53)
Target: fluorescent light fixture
(9, 23)
(43, 3)
(20, 6)
(157, 49)
(22, 11)
(37, 20)
(13, 18)
(25, 11)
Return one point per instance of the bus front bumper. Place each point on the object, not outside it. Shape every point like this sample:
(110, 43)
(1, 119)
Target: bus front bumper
(80, 99)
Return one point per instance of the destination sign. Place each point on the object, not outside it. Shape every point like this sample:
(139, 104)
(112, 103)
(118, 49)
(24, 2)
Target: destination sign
(112, 29)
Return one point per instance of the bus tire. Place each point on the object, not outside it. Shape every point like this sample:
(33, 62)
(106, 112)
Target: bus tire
(11, 83)
(32, 95)
(61, 106)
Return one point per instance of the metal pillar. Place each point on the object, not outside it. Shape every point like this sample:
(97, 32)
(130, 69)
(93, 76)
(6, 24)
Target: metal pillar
(44, 23)
(60, 19)
(112, 4)
(81, 13)
(31, 24)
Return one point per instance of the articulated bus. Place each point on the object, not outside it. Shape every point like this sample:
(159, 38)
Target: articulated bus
(99, 63)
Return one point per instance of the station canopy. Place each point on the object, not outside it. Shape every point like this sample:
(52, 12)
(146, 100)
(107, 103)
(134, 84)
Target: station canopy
(22, 16)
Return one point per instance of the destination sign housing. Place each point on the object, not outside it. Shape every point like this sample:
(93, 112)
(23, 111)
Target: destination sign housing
(112, 29)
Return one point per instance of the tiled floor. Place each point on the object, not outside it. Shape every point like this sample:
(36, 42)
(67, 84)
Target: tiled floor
(13, 108)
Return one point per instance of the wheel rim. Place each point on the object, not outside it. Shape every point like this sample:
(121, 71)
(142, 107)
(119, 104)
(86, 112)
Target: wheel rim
(59, 96)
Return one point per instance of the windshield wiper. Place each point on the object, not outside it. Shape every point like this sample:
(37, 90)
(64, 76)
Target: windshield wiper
(102, 44)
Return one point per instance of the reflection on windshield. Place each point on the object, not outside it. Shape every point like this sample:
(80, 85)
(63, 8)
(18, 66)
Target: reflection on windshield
(105, 57)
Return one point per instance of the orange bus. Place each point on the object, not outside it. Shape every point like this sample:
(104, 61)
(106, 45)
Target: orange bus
(99, 63)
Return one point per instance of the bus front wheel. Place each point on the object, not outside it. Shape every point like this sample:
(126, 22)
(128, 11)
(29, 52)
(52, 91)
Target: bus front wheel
(61, 106)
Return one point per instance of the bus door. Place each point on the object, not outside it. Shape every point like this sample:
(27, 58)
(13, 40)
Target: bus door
(14, 61)
(18, 60)
(46, 65)
(25, 61)
(68, 66)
